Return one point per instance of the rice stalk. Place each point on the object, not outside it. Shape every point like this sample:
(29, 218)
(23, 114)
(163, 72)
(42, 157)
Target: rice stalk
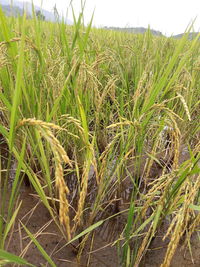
(60, 156)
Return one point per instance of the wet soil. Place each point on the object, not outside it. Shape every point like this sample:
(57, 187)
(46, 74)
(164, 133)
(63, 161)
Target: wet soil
(37, 219)
(183, 257)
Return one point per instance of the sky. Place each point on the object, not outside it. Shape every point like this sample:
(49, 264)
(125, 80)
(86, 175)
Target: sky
(168, 16)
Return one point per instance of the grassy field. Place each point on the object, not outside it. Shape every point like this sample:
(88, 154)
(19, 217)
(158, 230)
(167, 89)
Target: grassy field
(103, 125)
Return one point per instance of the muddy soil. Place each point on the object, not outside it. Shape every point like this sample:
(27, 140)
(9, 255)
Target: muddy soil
(35, 216)
(183, 257)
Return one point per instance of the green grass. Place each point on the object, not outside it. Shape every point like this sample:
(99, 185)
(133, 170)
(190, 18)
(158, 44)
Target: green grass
(79, 100)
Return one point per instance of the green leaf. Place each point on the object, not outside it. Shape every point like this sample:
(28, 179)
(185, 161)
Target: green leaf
(86, 231)
(10, 223)
(11, 258)
(40, 248)
(18, 85)
(194, 207)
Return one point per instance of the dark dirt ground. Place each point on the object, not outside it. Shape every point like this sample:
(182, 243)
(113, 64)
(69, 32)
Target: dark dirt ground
(34, 215)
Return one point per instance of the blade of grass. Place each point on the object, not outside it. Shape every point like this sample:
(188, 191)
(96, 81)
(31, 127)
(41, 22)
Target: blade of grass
(39, 247)
(11, 258)
(17, 92)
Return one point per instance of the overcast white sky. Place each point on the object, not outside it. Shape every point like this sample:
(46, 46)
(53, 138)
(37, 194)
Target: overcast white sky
(168, 16)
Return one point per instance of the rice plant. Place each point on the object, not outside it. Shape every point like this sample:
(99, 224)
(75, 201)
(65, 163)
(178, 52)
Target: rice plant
(104, 126)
